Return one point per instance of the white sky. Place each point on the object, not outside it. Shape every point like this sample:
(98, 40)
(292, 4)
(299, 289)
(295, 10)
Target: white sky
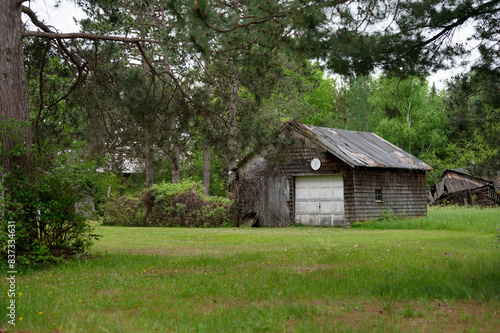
(62, 18)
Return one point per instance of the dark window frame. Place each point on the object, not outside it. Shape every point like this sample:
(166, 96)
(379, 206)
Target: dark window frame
(378, 195)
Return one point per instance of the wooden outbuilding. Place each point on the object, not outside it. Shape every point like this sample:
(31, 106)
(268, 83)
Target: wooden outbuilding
(460, 187)
(329, 177)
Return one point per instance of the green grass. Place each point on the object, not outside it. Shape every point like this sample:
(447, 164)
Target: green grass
(444, 218)
(275, 280)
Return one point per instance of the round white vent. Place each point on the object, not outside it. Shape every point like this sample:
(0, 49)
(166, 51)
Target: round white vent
(315, 164)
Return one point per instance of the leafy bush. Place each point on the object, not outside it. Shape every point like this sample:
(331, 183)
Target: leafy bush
(184, 204)
(124, 210)
(166, 204)
(386, 215)
(47, 224)
(166, 191)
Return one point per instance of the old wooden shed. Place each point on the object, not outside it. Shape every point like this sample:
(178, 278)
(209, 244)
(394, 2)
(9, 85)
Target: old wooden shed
(329, 177)
(460, 187)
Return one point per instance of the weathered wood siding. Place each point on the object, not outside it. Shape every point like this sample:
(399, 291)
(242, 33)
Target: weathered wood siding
(403, 192)
(484, 196)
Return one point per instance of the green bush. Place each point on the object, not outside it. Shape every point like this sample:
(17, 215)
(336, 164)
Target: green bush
(47, 224)
(166, 191)
(166, 204)
(184, 204)
(124, 210)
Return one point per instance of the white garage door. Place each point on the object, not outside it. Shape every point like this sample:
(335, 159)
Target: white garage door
(319, 200)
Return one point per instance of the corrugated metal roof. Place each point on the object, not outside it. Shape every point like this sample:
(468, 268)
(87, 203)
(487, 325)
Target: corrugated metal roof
(474, 171)
(361, 149)
(458, 180)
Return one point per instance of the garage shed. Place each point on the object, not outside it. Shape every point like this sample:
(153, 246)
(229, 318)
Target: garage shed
(329, 177)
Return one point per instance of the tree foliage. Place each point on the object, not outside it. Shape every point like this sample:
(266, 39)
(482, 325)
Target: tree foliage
(473, 108)
(407, 37)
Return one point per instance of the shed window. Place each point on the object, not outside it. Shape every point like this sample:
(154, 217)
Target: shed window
(378, 195)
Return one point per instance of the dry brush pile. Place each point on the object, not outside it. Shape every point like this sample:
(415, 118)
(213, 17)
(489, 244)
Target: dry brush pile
(180, 204)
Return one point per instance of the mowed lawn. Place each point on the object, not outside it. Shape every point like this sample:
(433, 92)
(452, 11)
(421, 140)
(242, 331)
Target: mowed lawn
(420, 275)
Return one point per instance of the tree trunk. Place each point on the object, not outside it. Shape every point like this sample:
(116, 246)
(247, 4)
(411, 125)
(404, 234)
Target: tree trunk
(206, 148)
(176, 150)
(176, 171)
(365, 104)
(15, 130)
(176, 156)
(14, 103)
(150, 171)
(206, 168)
(149, 162)
(232, 126)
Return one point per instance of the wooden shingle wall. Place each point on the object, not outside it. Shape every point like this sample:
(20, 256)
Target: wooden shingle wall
(403, 192)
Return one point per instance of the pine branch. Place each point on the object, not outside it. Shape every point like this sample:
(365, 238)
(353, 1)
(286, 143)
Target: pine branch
(88, 36)
(48, 33)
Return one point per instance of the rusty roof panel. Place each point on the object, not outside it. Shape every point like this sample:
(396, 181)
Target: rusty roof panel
(368, 160)
(457, 181)
(363, 148)
(456, 184)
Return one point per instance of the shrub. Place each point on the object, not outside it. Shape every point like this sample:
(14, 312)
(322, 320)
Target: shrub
(184, 204)
(386, 215)
(124, 210)
(47, 224)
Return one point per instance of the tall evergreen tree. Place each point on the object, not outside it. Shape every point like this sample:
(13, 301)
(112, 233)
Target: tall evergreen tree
(473, 111)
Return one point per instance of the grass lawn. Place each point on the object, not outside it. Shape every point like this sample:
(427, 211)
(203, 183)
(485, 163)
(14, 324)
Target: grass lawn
(439, 274)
